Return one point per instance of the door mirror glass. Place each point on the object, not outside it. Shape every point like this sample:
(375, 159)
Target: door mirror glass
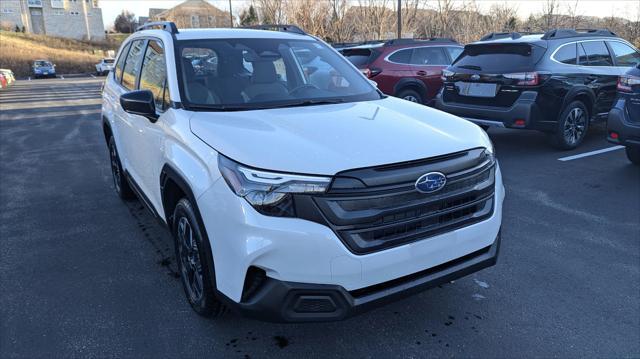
(140, 102)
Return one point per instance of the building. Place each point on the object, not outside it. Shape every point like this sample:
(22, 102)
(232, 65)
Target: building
(192, 14)
(77, 19)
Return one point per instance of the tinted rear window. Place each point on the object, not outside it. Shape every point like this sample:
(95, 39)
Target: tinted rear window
(358, 57)
(500, 57)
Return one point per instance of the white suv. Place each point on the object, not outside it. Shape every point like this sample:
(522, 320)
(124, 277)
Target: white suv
(294, 197)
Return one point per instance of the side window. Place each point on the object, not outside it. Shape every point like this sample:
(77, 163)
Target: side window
(130, 72)
(120, 63)
(429, 56)
(454, 52)
(153, 75)
(625, 55)
(566, 54)
(401, 57)
(597, 53)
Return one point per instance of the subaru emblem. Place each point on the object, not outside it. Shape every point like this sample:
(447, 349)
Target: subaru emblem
(431, 182)
(475, 77)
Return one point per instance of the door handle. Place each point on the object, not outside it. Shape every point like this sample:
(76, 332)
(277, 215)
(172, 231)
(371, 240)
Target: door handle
(422, 73)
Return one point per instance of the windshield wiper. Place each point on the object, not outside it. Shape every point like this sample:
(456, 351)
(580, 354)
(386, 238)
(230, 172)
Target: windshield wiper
(307, 102)
(471, 67)
(249, 106)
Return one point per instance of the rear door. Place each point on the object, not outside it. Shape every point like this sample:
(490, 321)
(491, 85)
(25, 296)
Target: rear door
(493, 74)
(602, 76)
(427, 64)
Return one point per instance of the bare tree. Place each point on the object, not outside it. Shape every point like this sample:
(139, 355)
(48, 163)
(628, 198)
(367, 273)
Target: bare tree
(271, 11)
(549, 13)
(339, 28)
(573, 17)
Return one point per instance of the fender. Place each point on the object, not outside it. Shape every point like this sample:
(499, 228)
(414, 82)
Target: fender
(579, 90)
(413, 83)
(169, 173)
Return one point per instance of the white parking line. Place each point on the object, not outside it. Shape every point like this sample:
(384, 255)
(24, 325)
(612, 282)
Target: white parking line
(62, 77)
(592, 153)
(29, 78)
(92, 76)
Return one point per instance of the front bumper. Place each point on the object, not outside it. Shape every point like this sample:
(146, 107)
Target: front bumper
(281, 301)
(297, 255)
(524, 108)
(619, 122)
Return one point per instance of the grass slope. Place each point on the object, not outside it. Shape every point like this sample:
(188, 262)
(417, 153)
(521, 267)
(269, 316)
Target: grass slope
(18, 51)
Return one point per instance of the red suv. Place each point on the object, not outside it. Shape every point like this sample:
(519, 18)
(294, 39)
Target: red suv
(405, 68)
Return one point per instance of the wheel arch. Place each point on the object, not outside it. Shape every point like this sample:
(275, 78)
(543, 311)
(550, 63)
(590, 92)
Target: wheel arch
(173, 187)
(413, 84)
(582, 94)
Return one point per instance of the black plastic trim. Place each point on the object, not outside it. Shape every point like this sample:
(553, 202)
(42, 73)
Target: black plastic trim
(276, 300)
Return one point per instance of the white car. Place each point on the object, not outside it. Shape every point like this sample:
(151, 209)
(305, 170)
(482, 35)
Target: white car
(104, 66)
(293, 198)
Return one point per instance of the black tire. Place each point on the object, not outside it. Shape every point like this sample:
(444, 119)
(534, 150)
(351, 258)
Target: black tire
(195, 262)
(119, 179)
(410, 95)
(573, 125)
(633, 154)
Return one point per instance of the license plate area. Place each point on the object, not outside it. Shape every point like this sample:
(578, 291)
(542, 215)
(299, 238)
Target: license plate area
(475, 89)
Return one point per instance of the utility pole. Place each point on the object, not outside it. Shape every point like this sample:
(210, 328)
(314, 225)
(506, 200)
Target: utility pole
(230, 14)
(399, 19)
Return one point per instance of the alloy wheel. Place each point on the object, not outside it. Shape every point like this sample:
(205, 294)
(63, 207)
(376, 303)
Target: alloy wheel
(575, 126)
(410, 98)
(190, 264)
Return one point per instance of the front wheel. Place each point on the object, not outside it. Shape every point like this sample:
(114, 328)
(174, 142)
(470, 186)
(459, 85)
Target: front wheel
(195, 264)
(572, 126)
(633, 154)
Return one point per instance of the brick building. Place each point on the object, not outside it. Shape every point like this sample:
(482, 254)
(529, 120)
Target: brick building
(78, 19)
(191, 14)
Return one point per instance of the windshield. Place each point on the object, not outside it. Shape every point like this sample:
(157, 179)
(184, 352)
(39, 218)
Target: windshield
(108, 61)
(42, 64)
(239, 74)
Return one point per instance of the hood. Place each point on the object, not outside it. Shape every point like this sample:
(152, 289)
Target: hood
(327, 139)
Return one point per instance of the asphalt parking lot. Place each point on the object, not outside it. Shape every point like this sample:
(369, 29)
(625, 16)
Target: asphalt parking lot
(84, 274)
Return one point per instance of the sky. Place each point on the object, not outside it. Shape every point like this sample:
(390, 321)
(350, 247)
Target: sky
(621, 8)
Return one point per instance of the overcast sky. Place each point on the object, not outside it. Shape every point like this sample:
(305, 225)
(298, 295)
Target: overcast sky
(620, 8)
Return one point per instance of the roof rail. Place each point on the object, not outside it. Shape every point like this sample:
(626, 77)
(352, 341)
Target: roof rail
(278, 27)
(164, 25)
(417, 41)
(567, 33)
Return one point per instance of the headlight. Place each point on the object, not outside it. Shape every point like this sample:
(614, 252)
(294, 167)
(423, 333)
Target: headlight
(270, 193)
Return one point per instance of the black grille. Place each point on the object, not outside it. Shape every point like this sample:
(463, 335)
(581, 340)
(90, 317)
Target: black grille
(387, 210)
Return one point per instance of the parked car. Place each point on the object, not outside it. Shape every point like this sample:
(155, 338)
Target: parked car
(3, 81)
(405, 68)
(8, 74)
(104, 66)
(43, 68)
(294, 198)
(623, 125)
(557, 82)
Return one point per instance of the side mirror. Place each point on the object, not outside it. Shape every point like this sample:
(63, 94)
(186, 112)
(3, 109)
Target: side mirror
(141, 103)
